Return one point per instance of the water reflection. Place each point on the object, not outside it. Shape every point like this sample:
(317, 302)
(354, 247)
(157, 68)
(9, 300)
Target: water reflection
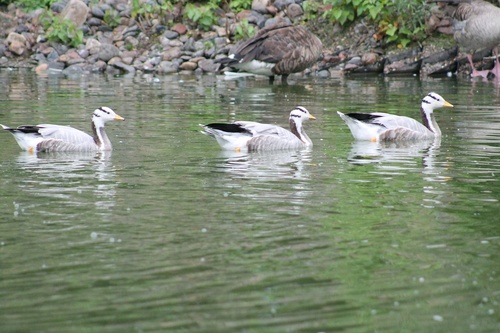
(70, 178)
(267, 165)
(403, 152)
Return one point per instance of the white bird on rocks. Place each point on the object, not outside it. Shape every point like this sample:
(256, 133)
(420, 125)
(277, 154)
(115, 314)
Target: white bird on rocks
(388, 127)
(253, 136)
(57, 138)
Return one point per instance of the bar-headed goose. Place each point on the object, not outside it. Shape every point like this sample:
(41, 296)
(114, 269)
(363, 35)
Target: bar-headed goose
(53, 138)
(253, 136)
(279, 49)
(388, 127)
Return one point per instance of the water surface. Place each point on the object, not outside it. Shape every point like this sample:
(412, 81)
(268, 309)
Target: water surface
(170, 234)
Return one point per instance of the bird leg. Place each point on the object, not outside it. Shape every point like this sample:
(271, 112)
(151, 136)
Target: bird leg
(496, 69)
(475, 72)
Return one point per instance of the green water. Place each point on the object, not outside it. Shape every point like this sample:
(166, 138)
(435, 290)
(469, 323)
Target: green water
(170, 234)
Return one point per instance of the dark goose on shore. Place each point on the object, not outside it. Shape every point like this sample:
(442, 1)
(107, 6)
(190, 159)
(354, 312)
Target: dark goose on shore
(279, 49)
(477, 26)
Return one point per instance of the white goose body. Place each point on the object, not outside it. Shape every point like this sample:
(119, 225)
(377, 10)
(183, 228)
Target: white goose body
(389, 127)
(57, 138)
(254, 136)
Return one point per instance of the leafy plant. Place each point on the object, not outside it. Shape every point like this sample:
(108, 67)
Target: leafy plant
(30, 5)
(204, 15)
(239, 5)
(112, 18)
(147, 11)
(61, 30)
(244, 30)
(399, 21)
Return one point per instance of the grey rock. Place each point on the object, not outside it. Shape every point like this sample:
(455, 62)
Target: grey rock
(124, 67)
(282, 4)
(166, 67)
(83, 52)
(294, 10)
(208, 65)
(189, 45)
(74, 70)
(170, 34)
(171, 53)
(324, 74)
(210, 53)
(177, 62)
(3, 48)
(275, 20)
(94, 22)
(38, 57)
(76, 11)
(97, 11)
(52, 56)
(55, 66)
(41, 39)
(355, 61)
(121, 7)
(60, 48)
(57, 7)
(260, 6)
(160, 28)
(112, 70)
(84, 28)
(126, 12)
(107, 52)
(98, 66)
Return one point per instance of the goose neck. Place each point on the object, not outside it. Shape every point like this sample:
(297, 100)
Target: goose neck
(100, 137)
(429, 121)
(297, 130)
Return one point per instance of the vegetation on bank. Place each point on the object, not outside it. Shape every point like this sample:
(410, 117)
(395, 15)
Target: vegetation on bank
(398, 22)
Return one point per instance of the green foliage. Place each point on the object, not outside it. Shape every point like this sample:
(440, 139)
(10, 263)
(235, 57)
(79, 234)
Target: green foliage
(29, 5)
(61, 30)
(239, 5)
(204, 15)
(147, 11)
(112, 18)
(244, 30)
(399, 21)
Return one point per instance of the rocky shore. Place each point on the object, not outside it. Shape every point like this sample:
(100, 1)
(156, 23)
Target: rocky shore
(128, 43)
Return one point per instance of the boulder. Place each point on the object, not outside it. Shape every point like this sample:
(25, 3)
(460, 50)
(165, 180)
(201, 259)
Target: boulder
(76, 11)
(294, 10)
(107, 52)
(17, 48)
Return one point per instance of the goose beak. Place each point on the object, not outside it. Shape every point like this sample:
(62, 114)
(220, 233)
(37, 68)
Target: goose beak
(117, 117)
(312, 117)
(448, 104)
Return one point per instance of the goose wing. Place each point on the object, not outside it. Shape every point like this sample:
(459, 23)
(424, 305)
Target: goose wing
(270, 137)
(64, 138)
(390, 121)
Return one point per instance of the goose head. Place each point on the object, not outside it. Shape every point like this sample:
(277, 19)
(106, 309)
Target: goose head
(434, 101)
(300, 114)
(104, 114)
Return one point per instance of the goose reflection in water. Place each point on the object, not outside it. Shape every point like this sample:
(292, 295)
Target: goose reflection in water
(265, 165)
(395, 156)
(279, 180)
(76, 179)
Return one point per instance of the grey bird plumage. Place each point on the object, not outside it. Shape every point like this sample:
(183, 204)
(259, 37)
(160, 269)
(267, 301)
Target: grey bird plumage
(57, 138)
(380, 126)
(477, 27)
(254, 136)
(279, 49)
